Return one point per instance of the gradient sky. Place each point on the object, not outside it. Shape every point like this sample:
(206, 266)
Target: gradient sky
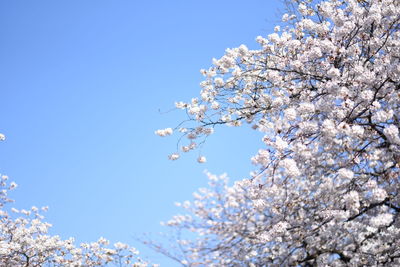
(82, 83)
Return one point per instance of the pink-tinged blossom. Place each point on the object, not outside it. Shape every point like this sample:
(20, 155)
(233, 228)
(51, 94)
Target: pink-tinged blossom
(201, 159)
(164, 132)
(174, 156)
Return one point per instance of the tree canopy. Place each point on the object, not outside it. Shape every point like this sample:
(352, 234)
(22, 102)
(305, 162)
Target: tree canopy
(324, 89)
(25, 241)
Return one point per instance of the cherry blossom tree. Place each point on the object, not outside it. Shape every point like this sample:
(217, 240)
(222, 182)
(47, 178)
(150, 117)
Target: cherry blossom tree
(25, 241)
(324, 89)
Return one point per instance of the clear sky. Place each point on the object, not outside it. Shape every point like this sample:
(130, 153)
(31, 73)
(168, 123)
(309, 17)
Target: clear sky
(82, 83)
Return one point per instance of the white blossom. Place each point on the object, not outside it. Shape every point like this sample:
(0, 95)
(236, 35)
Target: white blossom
(346, 173)
(174, 156)
(382, 219)
(378, 194)
(164, 132)
(201, 159)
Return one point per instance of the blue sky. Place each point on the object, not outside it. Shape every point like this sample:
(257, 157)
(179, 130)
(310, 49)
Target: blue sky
(82, 83)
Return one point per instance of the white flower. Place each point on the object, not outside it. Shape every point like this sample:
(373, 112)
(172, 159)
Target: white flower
(280, 144)
(185, 148)
(382, 219)
(290, 114)
(291, 167)
(357, 130)
(329, 128)
(174, 156)
(392, 133)
(219, 81)
(378, 195)
(315, 53)
(308, 24)
(215, 105)
(306, 108)
(164, 132)
(345, 173)
(352, 200)
(333, 72)
(243, 50)
(180, 105)
(382, 116)
(259, 203)
(303, 9)
(201, 159)
(194, 109)
(120, 245)
(274, 37)
(285, 17)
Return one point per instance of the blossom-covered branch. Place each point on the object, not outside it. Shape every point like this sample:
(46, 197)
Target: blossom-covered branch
(324, 88)
(25, 241)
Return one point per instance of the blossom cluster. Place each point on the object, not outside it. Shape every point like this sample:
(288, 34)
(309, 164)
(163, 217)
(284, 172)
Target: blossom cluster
(25, 241)
(324, 90)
